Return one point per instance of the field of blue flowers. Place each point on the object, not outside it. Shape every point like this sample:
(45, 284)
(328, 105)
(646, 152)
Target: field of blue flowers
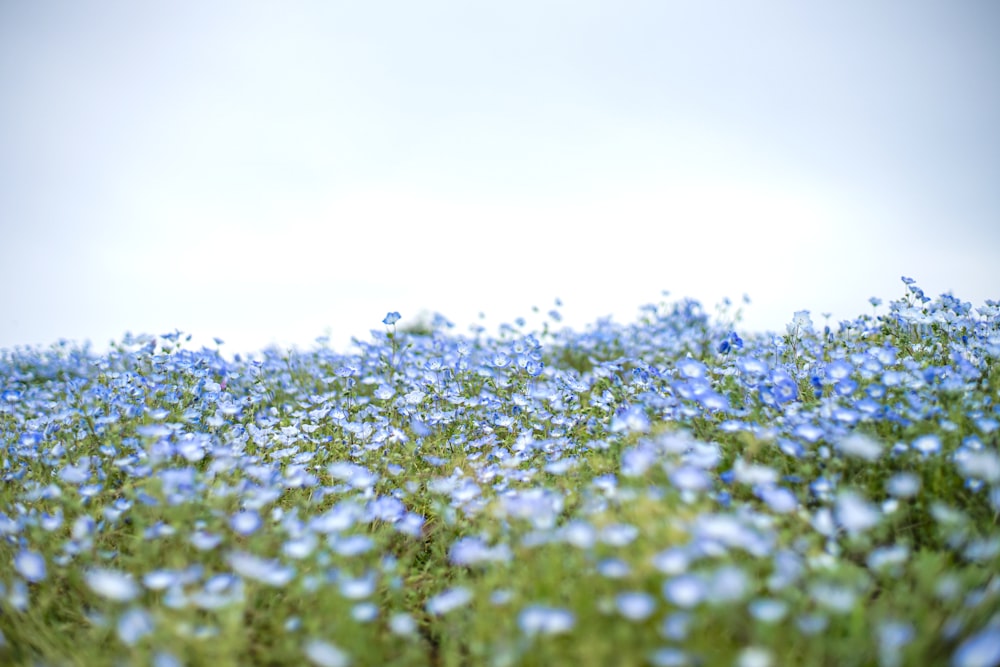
(668, 492)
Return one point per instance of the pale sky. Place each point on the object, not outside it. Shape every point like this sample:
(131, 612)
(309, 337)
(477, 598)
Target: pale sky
(267, 172)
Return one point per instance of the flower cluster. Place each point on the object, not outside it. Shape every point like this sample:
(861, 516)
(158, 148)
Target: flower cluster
(667, 492)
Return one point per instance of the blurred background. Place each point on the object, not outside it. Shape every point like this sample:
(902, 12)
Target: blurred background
(272, 172)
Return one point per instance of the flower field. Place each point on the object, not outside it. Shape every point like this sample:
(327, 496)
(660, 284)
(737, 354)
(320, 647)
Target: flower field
(674, 491)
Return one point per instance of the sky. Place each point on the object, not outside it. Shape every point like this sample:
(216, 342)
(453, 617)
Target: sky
(268, 173)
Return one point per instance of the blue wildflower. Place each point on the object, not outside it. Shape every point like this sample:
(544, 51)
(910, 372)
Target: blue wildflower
(542, 620)
(324, 654)
(111, 584)
(30, 565)
(448, 600)
(635, 606)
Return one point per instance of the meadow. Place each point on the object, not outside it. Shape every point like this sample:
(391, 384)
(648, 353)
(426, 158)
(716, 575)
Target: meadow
(668, 492)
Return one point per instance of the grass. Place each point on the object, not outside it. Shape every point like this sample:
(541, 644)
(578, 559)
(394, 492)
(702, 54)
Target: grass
(667, 492)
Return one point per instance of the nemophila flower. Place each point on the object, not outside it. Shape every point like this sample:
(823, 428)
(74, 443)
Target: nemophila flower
(632, 419)
(402, 624)
(365, 612)
(980, 650)
(324, 654)
(448, 600)
(839, 369)
(541, 620)
(635, 606)
(351, 545)
(356, 475)
(778, 498)
(300, 547)
(30, 565)
(713, 401)
(860, 446)
(893, 636)
(754, 656)
(500, 360)
(788, 569)
(714, 533)
(812, 624)
(134, 624)
(836, 598)
(690, 478)
(384, 392)
(670, 657)
(111, 584)
(618, 534)
(540, 506)
(927, 444)
(472, 550)
(845, 387)
(500, 597)
(822, 521)
(768, 610)
(158, 580)
(391, 318)
(987, 425)
(579, 534)
(981, 465)
(752, 367)
(204, 541)
(411, 524)
(635, 461)
(753, 474)
(728, 584)
(75, 474)
(613, 568)
(218, 591)
(245, 522)
(347, 371)
(854, 513)
(801, 322)
(386, 508)
(270, 572)
(685, 590)
(703, 455)
(9, 526)
(358, 588)
(338, 518)
(164, 659)
(17, 596)
(691, 368)
(783, 389)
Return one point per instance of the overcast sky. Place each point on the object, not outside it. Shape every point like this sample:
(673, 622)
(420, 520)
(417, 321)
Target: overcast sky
(271, 171)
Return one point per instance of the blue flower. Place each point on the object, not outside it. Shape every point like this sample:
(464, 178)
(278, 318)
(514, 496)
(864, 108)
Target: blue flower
(245, 522)
(448, 600)
(635, 606)
(778, 498)
(980, 650)
(270, 572)
(30, 565)
(783, 389)
(685, 590)
(325, 654)
(927, 444)
(541, 620)
(135, 624)
(691, 368)
(391, 318)
(111, 584)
